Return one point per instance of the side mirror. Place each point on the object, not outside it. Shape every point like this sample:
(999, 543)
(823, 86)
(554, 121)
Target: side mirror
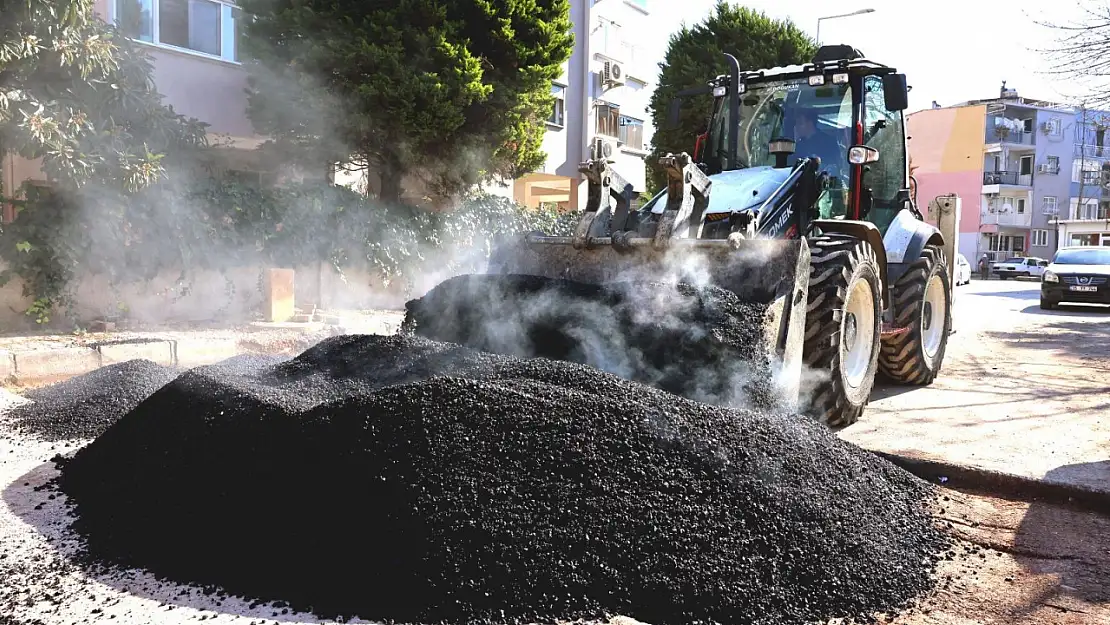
(672, 113)
(895, 92)
(862, 154)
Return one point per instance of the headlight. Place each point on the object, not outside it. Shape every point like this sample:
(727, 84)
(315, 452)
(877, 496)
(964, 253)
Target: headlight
(1051, 277)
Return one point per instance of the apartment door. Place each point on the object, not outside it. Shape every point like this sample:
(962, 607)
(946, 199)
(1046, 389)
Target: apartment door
(1025, 165)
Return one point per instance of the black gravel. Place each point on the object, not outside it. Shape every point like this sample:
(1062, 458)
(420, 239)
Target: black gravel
(84, 406)
(395, 478)
(703, 343)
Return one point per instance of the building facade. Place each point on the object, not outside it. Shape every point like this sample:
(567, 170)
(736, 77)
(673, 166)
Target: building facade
(193, 44)
(602, 95)
(1085, 220)
(1009, 159)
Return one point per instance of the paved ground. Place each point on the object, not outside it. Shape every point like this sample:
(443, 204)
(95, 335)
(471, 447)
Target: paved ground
(1023, 391)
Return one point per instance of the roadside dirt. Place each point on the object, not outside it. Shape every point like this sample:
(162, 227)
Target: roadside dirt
(1022, 391)
(1019, 563)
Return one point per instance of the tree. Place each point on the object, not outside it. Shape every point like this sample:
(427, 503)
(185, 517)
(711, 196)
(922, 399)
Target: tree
(78, 95)
(1081, 54)
(454, 91)
(695, 55)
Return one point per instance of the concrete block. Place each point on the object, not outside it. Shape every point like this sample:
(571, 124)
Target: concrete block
(7, 364)
(278, 304)
(160, 351)
(205, 351)
(55, 364)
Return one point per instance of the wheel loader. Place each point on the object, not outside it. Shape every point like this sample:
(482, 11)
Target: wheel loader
(797, 196)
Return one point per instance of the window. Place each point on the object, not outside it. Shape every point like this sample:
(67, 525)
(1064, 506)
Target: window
(1053, 163)
(1025, 166)
(887, 177)
(608, 119)
(559, 107)
(611, 43)
(1053, 127)
(203, 26)
(1090, 172)
(1027, 125)
(1089, 210)
(1040, 238)
(1021, 206)
(1048, 205)
(631, 132)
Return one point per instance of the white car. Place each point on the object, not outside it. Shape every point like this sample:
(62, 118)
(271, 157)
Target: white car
(1023, 266)
(963, 270)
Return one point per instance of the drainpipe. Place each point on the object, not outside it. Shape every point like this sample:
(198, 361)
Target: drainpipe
(584, 85)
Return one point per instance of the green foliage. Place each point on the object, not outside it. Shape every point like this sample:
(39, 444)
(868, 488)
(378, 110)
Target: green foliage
(213, 225)
(76, 94)
(453, 91)
(80, 96)
(695, 55)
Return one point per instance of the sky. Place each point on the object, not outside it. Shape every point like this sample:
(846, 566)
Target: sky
(950, 50)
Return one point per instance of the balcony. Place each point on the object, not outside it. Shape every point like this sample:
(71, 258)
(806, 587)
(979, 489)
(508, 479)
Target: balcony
(996, 214)
(1011, 178)
(1091, 151)
(1010, 138)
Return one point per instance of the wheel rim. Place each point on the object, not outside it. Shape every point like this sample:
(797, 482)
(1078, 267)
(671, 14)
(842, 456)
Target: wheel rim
(858, 333)
(932, 317)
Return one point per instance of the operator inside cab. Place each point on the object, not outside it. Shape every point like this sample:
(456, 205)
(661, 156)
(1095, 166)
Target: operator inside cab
(810, 140)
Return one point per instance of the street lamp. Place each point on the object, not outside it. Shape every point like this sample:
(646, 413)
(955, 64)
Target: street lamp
(833, 17)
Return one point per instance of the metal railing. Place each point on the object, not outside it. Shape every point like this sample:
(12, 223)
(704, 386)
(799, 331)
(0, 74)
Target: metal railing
(996, 213)
(1012, 137)
(1008, 177)
(1092, 151)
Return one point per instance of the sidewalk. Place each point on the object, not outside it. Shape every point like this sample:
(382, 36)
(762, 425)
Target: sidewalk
(37, 360)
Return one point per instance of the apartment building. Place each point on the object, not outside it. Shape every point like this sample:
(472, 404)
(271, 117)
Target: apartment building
(193, 44)
(602, 96)
(1009, 159)
(1085, 220)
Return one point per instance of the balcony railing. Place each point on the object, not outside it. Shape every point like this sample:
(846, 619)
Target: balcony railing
(1100, 214)
(1007, 177)
(1092, 151)
(995, 214)
(1013, 137)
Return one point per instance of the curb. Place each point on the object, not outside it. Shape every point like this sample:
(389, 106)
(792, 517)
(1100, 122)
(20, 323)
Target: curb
(987, 482)
(56, 364)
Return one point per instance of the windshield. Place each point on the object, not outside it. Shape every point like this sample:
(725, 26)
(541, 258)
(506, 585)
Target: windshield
(819, 119)
(1094, 256)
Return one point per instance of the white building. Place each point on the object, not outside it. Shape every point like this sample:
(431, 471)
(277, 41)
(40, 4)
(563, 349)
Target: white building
(603, 93)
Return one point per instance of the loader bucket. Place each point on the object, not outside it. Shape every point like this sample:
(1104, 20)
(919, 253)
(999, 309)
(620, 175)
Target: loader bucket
(711, 320)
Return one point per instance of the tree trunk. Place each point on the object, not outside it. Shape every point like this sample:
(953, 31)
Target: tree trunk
(389, 190)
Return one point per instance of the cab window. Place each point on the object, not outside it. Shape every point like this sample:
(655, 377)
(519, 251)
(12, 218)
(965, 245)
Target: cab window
(883, 130)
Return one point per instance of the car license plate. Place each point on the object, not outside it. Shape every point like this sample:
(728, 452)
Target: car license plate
(1088, 289)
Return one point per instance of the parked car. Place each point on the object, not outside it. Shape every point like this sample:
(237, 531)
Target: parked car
(963, 270)
(1026, 266)
(1077, 274)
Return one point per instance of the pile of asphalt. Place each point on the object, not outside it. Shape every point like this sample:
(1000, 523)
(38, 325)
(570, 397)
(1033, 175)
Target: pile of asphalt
(400, 479)
(703, 343)
(84, 406)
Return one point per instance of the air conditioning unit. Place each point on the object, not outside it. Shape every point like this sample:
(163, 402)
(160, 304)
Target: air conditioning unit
(613, 74)
(602, 147)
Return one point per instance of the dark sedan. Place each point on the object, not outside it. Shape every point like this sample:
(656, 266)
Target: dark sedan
(1079, 275)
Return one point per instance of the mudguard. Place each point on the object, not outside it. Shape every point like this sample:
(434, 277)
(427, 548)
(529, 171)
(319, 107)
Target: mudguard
(904, 241)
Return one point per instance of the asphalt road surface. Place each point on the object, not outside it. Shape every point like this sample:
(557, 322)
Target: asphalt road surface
(1023, 391)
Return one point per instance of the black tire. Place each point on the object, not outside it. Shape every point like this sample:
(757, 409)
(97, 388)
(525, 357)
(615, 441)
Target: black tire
(904, 358)
(1047, 305)
(839, 263)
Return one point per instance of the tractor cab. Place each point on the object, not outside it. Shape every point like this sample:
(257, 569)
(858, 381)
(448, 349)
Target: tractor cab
(841, 111)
